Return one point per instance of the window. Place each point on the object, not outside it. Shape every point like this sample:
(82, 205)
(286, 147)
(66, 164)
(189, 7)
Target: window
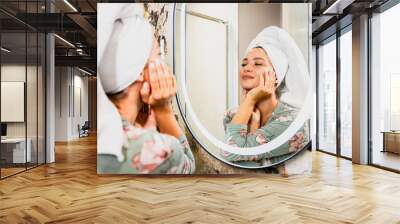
(346, 94)
(385, 89)
(22, 65)
(327, 97)
(394, 101)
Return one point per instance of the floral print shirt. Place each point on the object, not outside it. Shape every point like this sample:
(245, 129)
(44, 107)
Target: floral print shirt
(238, 135)
(147, 151)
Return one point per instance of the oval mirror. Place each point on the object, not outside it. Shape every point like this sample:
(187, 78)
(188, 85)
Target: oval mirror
(244, 88)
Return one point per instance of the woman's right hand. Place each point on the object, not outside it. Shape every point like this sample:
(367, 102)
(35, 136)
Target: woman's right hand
(157, 90)
(159, 85)
(263, 91)
(255, 121)
(265, 88)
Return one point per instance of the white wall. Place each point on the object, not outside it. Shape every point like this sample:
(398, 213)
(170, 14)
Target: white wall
(61, 103)
(208, 74)
(71, 93)
(80, 103)
(12, 73)
(296, 20)
(253, 18)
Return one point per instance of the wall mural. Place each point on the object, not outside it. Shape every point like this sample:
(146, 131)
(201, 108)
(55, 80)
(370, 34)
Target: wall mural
(157, 14)
(180, 118)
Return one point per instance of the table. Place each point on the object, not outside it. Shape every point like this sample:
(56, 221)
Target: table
(391, 141)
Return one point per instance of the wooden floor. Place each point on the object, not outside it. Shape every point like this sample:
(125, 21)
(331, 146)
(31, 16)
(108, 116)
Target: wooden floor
(10, 171)
(5, 172)
(70, 191)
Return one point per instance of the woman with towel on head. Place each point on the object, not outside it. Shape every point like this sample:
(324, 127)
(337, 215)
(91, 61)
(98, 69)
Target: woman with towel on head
(274, 78)
(140, 86)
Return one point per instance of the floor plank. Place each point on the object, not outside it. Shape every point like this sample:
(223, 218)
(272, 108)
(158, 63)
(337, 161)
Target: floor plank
(70, 191)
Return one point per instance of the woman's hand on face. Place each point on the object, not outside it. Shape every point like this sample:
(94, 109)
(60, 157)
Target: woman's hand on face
(265, 88)
(160, 86)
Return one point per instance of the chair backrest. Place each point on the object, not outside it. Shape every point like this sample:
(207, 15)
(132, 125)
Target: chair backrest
(86, 125)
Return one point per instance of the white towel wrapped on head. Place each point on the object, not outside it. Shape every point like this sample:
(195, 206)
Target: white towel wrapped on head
(127, 49)
(288, 62)
(122, 61)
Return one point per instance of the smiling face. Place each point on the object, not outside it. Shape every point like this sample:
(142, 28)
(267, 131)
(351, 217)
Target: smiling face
(254, 64)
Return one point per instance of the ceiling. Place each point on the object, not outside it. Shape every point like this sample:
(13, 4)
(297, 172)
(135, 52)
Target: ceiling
(329, 16)
(75, 22)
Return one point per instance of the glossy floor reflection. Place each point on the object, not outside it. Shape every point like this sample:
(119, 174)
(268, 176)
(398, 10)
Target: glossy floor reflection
(387, 159)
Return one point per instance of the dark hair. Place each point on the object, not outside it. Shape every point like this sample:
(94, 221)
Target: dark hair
(280, 89)
(114, 97)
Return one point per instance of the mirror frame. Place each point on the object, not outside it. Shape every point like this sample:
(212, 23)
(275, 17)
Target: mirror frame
(185, 108)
